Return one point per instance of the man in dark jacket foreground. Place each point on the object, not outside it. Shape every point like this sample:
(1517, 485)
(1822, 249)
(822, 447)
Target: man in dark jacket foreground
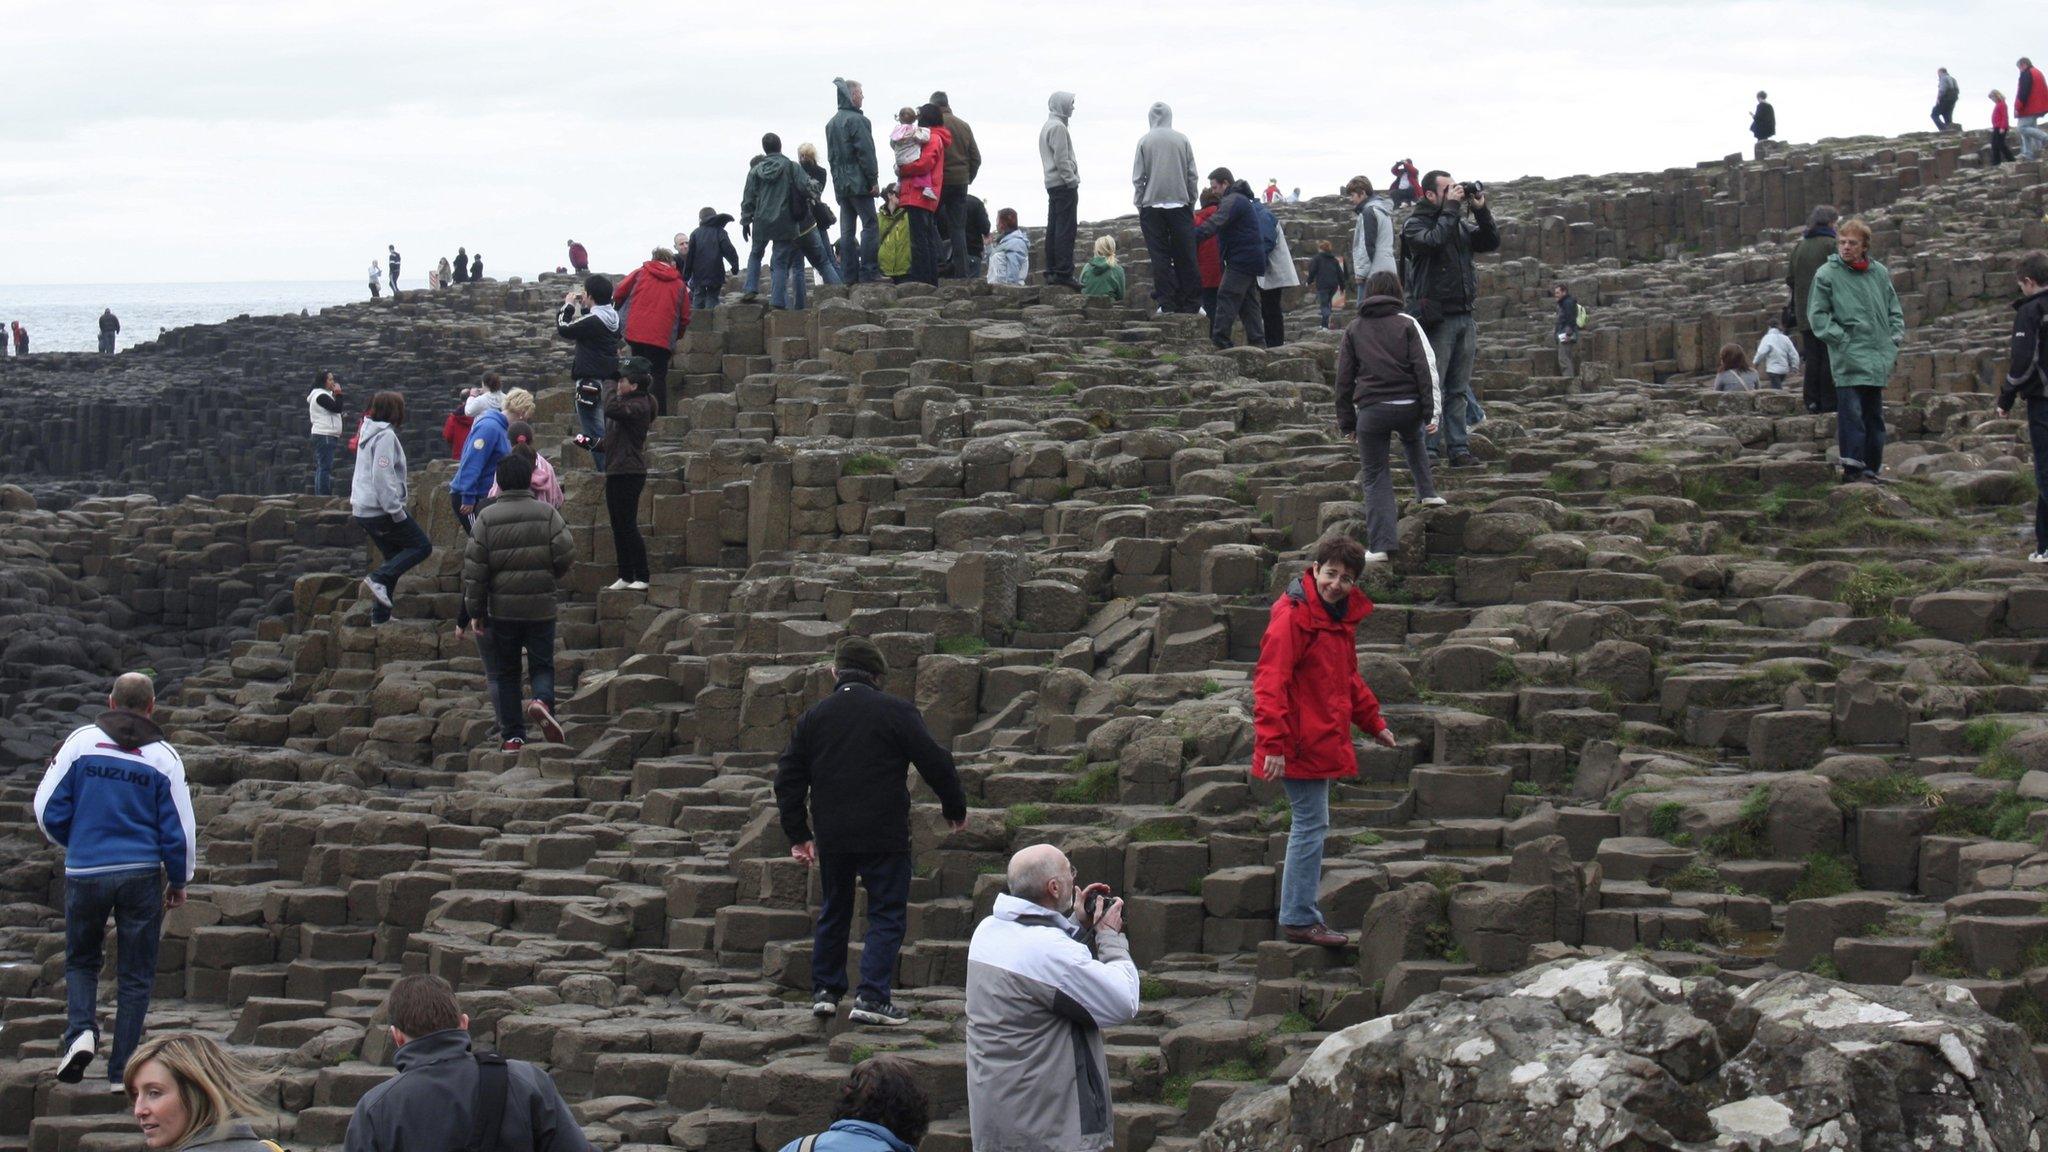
(2027, 376)
(518, 548)
(434, 1100)
(848, 758)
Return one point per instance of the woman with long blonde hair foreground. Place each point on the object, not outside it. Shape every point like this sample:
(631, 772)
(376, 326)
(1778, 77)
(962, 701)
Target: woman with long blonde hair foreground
(188, 1093)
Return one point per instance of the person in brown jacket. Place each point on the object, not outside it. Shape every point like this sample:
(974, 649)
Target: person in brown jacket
(627, 416)
(963, 164)
(1387, 385)
(518, 548)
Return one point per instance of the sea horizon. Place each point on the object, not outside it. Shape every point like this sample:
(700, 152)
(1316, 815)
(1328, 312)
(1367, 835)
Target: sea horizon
(64, 317)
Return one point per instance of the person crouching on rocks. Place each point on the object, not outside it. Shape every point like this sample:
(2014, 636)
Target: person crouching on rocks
(1306, 695)
(518, 548)
(378, 492)
(1387, 386)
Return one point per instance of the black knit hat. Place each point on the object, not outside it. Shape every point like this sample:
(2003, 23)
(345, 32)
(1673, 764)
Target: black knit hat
(859, 654)
(704, 215)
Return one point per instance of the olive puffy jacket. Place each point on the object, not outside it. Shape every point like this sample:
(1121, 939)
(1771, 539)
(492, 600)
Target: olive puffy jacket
(518, 548)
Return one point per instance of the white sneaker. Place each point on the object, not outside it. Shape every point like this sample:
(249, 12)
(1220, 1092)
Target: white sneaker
(1375, 557)
(1433, 501)
(378, 592)
(76, 1055)
(117, 1088)
(637, 585)
(617, 586)
(2038, 558)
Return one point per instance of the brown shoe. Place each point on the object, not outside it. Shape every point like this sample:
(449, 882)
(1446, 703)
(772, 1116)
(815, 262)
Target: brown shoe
(1317, 934)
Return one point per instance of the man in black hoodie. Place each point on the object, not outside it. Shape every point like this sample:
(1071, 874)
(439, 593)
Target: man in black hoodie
(2027, 376)
(1437, 245)
(847, 760)
(1243, 248)
(711, 252)
(588, 318)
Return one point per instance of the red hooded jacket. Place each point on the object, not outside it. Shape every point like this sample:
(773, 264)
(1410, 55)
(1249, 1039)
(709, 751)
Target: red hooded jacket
(654, 303)
(455, 432)
(2035, 102)
(1307, 692)
(1208, 251)
(929, 169)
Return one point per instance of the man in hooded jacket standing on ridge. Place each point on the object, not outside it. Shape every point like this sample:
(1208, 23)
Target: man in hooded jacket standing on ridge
(1164, 176)
(850, 151)
(1062, 190)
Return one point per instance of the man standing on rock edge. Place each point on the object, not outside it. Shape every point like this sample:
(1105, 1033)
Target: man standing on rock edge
(963, 165)
(115, 799)
(1047, 971)
(1812, 251)
(2029, 104)
(1566, 330)
(1242, 245)
(2026, 376)
(847, 760)
(1062, 190)
(1306, 697)
(856, 181)
(110, 329)
(1763, 123)
(1163, 174)
(1946, 93)
(579, 258)
(1438, 243)
(393, 250)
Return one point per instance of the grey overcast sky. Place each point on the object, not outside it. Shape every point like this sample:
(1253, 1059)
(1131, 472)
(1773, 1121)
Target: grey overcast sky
(178, 140)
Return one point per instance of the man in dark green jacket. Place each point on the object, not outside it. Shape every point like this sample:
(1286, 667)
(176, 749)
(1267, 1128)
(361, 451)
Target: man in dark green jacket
(850, 150)
(518, 548)
(764, 206)
(1808, 255)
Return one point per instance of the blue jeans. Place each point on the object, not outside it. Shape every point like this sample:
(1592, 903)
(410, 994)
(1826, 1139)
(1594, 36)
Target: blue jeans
(887, 878)
(2032, 138)
(858, 246)
(507, 639)
(590, 418)
(404, 544)
(787, 266)
(323, 464)
(1309, 801)
(136, 902)
(1859, 428)
(704, 297)
(752, 283)
(1454, 341)
(1323, 298)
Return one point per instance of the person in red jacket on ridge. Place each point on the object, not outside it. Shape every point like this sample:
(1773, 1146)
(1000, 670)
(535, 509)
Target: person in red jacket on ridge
(1208, 254)
(656, 311)
(927, 171)
(1306, 696)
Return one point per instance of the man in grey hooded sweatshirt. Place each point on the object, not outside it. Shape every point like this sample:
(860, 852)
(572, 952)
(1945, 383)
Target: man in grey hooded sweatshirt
(1062, 190)
(1164, 177)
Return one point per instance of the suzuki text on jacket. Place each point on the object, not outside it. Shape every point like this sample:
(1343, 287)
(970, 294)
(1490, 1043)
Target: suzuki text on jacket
(114, 798)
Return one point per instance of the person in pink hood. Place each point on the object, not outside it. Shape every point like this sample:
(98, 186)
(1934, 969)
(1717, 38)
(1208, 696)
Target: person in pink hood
(547, 487)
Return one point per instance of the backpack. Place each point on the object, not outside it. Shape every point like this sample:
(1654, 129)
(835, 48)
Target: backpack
(492, 1077)
(1269, 228)
(799, 198)
(1579, 321)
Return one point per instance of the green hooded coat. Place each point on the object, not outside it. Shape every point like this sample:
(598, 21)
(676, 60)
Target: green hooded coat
(850, 148)
(1101, 278)
(764, 205)
(1857, 315)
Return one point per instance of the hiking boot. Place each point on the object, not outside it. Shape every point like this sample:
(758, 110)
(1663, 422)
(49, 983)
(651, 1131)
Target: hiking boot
(1317, 934)
(866, 1011)
(512, 745)
(76, 1055)
(378, 592)
(749, 297)
(1466, 460)
(544, 718)
(824, 1005)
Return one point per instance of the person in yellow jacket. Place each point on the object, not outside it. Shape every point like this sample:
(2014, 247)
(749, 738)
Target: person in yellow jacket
(893, 226)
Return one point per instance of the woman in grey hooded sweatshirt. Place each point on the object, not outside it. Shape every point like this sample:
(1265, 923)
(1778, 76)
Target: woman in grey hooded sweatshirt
(378, 493)
(188, 1094)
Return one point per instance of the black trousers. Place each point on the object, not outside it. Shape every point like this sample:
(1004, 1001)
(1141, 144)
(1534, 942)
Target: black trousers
(1170, 240)
(2001, 148)
(924, 245)
(1818, 382)
(887, 878)
(953, 222)
(1274, 316)
(622, 503)
(658, 355)
(1062, 208)
(1944, 113)
(1237, 300)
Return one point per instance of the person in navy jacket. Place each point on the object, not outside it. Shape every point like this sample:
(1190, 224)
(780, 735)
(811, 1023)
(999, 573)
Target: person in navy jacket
(114, 798)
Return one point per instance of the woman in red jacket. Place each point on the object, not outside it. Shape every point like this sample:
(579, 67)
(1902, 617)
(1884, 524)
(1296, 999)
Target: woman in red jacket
(928, 170)
(1306, 696)
(1209, 253)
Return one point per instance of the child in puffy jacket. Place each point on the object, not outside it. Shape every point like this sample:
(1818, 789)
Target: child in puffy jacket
(907, 140)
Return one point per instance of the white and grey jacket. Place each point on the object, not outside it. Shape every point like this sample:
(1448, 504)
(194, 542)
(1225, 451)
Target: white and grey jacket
(1037, 1002)
(1056, 144)
(1372, 238)
(378, 485)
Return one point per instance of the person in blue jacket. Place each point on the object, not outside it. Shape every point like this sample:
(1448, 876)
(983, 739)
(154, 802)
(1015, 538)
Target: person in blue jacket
(115, 799)
(880, 1109)
(474, 476)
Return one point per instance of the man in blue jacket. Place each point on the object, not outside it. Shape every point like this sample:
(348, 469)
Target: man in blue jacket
(1242, 245)
(114, 798)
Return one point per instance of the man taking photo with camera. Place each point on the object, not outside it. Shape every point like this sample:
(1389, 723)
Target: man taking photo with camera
(1437, 245)
(1046, 973)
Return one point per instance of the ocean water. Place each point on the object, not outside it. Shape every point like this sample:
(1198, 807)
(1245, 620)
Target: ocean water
(66, 317)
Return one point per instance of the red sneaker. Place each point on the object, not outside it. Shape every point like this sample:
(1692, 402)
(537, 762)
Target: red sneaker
(550, 727)
(513, 745)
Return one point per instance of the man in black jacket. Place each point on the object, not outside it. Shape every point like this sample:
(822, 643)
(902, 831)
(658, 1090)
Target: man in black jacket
(518, 548)
(2027, 376)
(1437, 245)
(1243, 250)
(711, 252)
(110, 327)
(590, 321)
(848, 757)
(1763, 123)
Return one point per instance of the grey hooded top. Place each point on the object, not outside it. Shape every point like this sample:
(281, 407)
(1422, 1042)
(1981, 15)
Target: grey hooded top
(1164, 171)
(1056, 146)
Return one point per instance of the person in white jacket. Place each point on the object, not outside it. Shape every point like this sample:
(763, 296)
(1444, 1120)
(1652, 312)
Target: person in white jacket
(1776, 357)
(378, 492)
(1280, 274)
(376, 280)
(1009, 257)
(1047, 971)
(323, 412)
(1372, 234)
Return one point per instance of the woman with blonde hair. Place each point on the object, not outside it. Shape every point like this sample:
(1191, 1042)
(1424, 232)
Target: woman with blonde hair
(187, 1092)
(1103, 276)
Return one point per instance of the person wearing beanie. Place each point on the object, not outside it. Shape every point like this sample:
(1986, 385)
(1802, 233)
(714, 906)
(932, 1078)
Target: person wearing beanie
(846, 772)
